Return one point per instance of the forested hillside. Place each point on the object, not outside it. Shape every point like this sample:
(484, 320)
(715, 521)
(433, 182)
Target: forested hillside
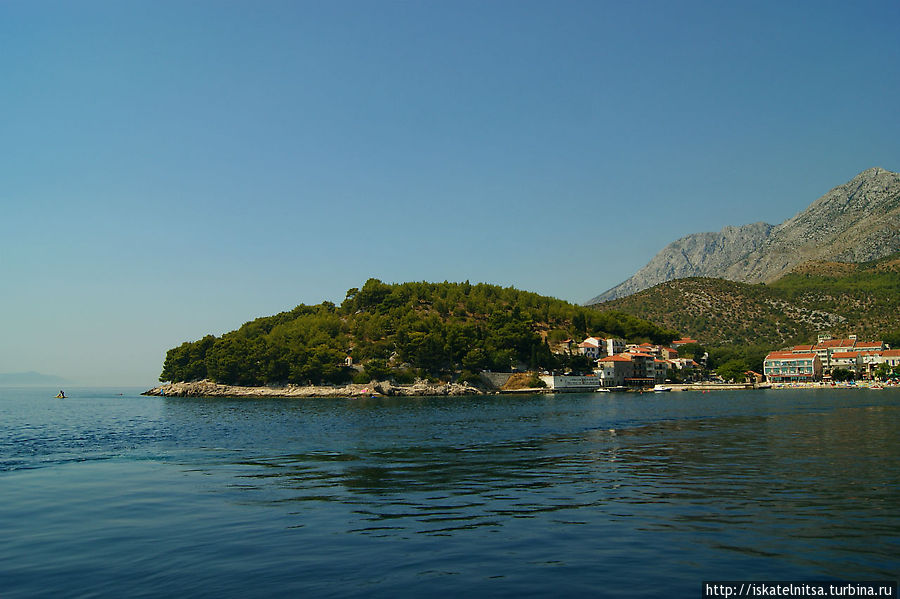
(401, 331)
(817, 297)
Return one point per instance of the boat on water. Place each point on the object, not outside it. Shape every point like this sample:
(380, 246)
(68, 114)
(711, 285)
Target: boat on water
(61, 395)
(661, 388)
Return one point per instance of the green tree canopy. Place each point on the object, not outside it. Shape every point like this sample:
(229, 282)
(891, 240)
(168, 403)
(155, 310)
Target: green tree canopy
(394, 329)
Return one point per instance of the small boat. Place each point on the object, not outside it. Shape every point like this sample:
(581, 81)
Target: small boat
(60, 395)
(661, 389)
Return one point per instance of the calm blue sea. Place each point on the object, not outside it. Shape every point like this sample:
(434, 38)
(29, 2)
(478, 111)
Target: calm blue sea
(109, 494)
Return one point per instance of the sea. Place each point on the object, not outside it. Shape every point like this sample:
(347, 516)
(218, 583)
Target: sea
(110, 494)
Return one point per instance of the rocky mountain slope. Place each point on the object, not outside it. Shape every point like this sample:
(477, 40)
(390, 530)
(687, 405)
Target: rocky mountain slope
(816, 297)
(855, 222)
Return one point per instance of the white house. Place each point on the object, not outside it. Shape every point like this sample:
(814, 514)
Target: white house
(592, 347)
(851, 360)
(614, 346)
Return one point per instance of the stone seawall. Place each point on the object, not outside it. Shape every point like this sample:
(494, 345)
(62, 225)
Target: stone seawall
(495, 379)
(382, 388)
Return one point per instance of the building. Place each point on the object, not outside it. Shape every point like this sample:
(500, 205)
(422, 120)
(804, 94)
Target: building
(644, 370)
(788, 367)
(567, 382)
(869, 346)
(755, 377)
(825, 349)
(683, 341)
(592, 347)
(614, 370)
(614, 346)
(684, 364)
(661, 370)
(870, 361)
(563, 347)
(851, 360)
(891, 357)
(668, 353)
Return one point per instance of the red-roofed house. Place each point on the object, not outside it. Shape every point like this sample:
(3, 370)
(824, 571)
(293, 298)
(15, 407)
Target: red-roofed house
(684, 364)
(564, 347)
(869, 345)
(850, 360)
(870, 361)
(669, 353)
(592, 347)
(788, 367)
(825, 349)
(613, 370)
(891, 357)
(644, 371)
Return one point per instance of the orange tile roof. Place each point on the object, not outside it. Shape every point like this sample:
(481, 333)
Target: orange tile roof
(891, 353)
(845, 354)
(616, 358)
(835, 343)
(868, 344)
(804, 348)
(787, 354)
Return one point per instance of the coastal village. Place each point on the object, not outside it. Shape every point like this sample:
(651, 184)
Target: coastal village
(622, 366)
(863, 360)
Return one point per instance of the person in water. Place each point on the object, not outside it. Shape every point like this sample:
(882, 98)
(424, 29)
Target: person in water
(61, 393)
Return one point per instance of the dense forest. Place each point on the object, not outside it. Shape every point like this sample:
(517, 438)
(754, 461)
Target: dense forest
(403, 331)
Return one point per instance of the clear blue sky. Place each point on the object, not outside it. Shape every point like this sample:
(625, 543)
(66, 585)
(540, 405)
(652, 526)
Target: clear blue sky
(171, 169)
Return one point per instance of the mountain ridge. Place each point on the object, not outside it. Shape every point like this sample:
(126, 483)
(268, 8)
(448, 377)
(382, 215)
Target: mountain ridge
(816, 297)
(857, 221)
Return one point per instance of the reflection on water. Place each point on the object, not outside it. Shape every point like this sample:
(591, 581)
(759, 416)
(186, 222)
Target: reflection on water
(541, 494)
(802, 487)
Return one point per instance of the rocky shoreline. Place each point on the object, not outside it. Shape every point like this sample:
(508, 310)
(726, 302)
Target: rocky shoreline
(375, 389)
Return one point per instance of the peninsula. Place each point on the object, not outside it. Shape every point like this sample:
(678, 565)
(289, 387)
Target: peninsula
(441, 339)
(415, 338)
